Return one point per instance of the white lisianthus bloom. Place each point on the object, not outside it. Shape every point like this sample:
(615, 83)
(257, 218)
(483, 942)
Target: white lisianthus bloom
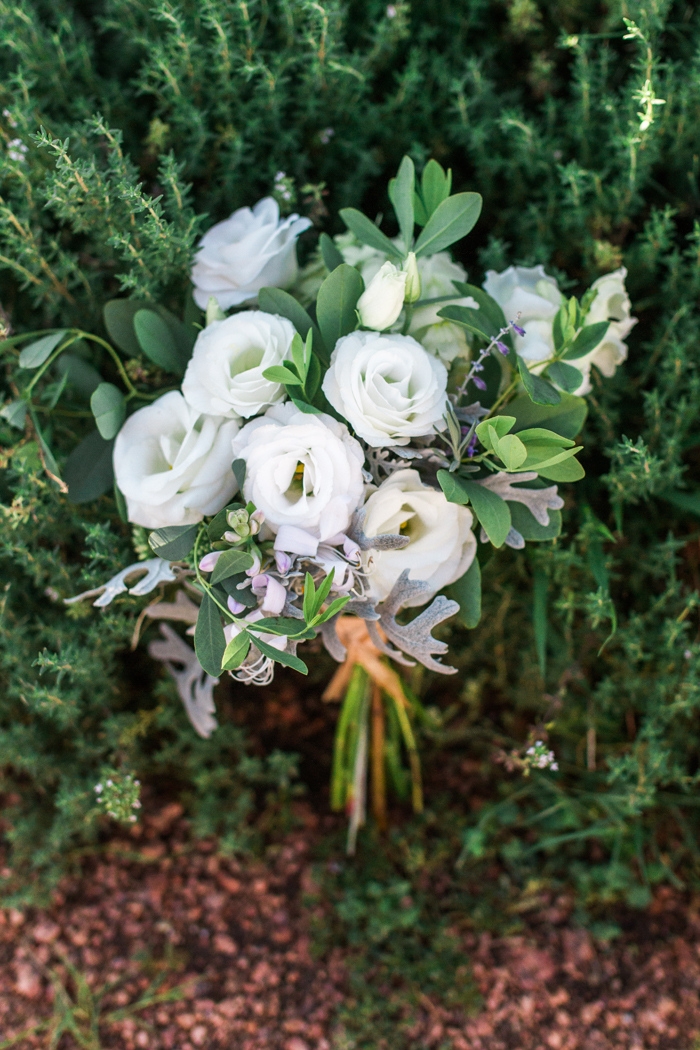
(442, 544)
(302, 470)
(382, 300)
(173, 464)
(224, 376)
(612, 303)
(387, 387)
(531, 297)
(250, 250)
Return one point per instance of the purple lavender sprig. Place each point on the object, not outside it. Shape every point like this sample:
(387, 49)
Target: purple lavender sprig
(478, 365)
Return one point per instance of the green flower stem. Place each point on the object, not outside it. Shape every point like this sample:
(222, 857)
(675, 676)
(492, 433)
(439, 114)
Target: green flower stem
(48, 362)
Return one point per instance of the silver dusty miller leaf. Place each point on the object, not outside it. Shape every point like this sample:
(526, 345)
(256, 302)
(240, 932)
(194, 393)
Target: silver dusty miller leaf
(157, 571)
(538, 501)
(386, 542)
(195, 686)
(415, 638)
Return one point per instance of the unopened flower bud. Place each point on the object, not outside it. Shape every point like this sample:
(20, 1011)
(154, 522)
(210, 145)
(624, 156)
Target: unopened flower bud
(214, 311)
(256, 521)
(412, 292)
(382, 300)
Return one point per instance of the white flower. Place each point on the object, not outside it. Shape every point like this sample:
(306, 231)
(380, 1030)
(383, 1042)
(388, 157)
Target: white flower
(387, 387)
(442, 544)
(173, 464)
(611, 303)
(225, 374)
(302, 470)
(531, 297)
(250, 250)
(382, 300)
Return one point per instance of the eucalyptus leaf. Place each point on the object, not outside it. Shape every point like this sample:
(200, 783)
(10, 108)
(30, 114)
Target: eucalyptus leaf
(566, 417)
(40, 350)
(277, 301)
(81, 375)
(587, 340)
(401, 193)
(88, 471)
(209, 639)
(565, 376)
(540, 391)
(158, 342)
(173, 542)
(239, 468)
(119, 316)
(466, 591)
(367, 233)
(15, 412)
(109, 409)
(329, 253)
(451, 220)
(336, 303)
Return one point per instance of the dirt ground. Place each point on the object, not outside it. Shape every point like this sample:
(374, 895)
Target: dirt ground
(165, 945)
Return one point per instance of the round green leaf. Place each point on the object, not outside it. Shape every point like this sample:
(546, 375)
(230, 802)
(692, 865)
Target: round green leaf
(109, 409)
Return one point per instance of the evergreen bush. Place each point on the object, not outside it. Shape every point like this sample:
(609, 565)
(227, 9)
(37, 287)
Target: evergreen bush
(127, 127)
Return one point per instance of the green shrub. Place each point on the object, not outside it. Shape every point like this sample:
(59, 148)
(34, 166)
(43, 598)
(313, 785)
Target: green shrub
(143, 123)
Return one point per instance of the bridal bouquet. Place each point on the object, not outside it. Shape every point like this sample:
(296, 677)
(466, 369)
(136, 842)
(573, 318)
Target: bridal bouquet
(320, 453)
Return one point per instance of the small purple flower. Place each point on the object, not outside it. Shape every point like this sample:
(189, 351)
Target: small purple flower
(502, 347)
(479, 383)
(235, 607)
(517, 328)
(477, 367)
(283, 561)
(209, 561)
(471, 447)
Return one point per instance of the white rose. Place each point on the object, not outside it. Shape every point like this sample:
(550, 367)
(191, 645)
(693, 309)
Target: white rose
(302, 470)
(442, 544)
(225, 374)
(173, 464)
(250, 250)
(611, 303)
(532, 294)
(382, 300)
(387, 387)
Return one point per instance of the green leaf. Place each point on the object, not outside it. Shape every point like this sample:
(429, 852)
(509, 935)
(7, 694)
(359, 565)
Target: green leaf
(539, 616)
(682, 500)
(473, 320)
(419, 212)
(15, 413)
(281, 657)
(173, 542)
(239, 468)
(336, 302)
(231, 588)
(158, 342)
(401, 194)
(81, 376)
(540, 391)
(209, 639)
(39, 351)
(467, 592)
(229, 563)
(49, 458)
(236, 651)
(435, 187)
(299, 359)
(492, 512)
(489, 309)
(282, 625)
(119, 316)
(540, 436)
(451, 220)
(529, 527)
(109, 409)
(568, 470)
(565, 418)
(277, 301)
(329, 253)
(309, 602)
(121, 504)
(511, 451)
(540, 457)
(367, 233)
(304, 406)
(281, 374)
(587, 340)
(88, 471)
(333, 609)
(565, 376)
(558, 326)
(500, 424)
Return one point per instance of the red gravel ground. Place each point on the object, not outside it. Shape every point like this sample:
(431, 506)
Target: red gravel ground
(229, 943)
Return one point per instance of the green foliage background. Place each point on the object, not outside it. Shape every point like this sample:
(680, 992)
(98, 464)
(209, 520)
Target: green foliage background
(147, 121)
